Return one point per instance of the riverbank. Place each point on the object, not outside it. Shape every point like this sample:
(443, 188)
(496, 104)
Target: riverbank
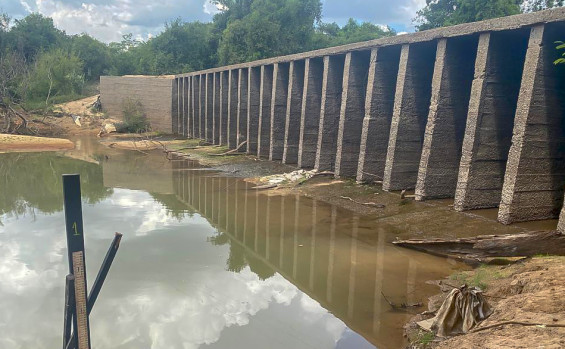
(17, 143)
(529, 292)
(409, 218)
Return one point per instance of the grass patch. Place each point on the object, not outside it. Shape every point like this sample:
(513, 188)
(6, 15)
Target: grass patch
(480, 277)
(425, 338)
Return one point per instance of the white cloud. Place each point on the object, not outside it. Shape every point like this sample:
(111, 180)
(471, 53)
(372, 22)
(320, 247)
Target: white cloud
(210, 8)
(396, 13)
(108, 20)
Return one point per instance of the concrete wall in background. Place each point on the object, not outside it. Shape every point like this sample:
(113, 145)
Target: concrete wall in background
(443, 111)
(154, 92)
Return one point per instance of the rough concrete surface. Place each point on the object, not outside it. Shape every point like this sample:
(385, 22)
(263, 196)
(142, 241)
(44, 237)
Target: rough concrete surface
(155, 94)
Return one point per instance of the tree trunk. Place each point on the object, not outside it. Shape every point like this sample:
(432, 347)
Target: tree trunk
(512, 245)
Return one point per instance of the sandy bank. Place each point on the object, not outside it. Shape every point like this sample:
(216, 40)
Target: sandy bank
(17, 143)
(530, 292)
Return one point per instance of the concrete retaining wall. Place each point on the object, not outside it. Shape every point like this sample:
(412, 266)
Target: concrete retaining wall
(473, 112)
(160, 101)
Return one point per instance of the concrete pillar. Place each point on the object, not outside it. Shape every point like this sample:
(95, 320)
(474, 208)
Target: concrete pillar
(561, 223)
(186, 106)
(352, 113)
(278, 110)
(242, 98)
(202, 106)
(209, 107)
(535, 170)
(490, 120)
(232, 108)
(379, 102)
(451, 88)
(193, 96)
(411, 106)
(310, 113)
(175, 106)
(189, 109)
(329, 112)
(181, 106)
(224, 91)
(264, 127)
(293, 111)
(216, 110)
(253, 107)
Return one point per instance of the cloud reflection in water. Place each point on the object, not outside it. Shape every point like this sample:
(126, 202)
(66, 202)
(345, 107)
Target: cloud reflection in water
(168, 288)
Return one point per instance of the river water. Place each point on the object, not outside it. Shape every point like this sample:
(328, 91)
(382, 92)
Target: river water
(205, 261)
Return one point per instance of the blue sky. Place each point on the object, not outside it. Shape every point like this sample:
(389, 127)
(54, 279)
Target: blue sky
(108, 20)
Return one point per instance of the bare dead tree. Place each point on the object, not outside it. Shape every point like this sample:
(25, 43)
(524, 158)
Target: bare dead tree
(13, 71)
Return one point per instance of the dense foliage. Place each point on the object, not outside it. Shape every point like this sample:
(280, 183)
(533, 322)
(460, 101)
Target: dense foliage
(441, 13)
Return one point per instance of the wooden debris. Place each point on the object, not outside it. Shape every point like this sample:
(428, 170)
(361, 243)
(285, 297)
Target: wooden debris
(401, 306)
(323, 173)
(233, 151)
(371, 204)
(521, 323)
(266, 186)
(485, 246)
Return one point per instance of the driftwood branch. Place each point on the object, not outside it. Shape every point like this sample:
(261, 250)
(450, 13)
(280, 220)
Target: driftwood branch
(478, 329)
(511, 245)
(233, 151)
(401, 305)
(371, 204)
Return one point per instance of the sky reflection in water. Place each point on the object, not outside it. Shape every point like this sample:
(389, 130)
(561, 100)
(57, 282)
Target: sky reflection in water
(169, 286)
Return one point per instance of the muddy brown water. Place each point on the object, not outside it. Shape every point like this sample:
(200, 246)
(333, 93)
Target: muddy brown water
(206, 261)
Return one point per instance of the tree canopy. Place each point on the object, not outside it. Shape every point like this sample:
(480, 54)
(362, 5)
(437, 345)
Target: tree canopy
(441, 13)
(40, 62)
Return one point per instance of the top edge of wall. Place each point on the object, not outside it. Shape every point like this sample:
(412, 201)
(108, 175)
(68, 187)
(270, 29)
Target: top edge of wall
(491, 25)
(164, 77)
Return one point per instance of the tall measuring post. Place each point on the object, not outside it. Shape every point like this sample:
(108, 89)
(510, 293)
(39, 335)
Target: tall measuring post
(77, 265)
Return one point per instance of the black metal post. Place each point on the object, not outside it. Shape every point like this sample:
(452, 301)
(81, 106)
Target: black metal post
(106, 264)
(69, 308)
(75, 246)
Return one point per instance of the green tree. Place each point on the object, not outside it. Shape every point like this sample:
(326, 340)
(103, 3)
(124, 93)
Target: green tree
(441, 13)
(4, 25)
(271, 28)
(184, 47)
(94, 54)
(560, 47)
(56, 73)
(35, 33)
(330, 34)
(539, 5)
(123, 54)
